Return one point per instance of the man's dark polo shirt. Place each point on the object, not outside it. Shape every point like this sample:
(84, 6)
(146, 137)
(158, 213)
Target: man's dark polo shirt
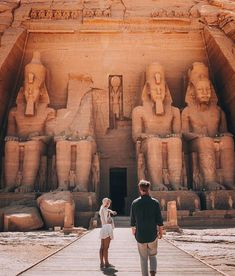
(145, 216)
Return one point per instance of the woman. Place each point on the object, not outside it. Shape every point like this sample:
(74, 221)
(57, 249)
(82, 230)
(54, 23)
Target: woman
(106, 232)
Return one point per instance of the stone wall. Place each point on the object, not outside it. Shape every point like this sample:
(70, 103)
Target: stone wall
(221, 55)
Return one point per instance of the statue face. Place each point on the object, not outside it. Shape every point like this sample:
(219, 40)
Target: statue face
(203, 91)
(31, 93)
(157, 87)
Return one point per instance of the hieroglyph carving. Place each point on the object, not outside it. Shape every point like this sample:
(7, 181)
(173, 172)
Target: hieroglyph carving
(55, 14)
(59, 14)
(115, 100)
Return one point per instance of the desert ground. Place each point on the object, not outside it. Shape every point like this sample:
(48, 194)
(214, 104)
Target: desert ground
(19, 250)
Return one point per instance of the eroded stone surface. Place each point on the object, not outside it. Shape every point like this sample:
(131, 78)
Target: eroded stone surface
(204, 127)
(52, 206)
(21, 218)
(156, 131)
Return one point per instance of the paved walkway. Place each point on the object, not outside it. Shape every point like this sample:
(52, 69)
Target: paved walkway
(81, 259)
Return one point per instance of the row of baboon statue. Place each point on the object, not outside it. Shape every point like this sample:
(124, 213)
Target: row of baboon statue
(157, 127)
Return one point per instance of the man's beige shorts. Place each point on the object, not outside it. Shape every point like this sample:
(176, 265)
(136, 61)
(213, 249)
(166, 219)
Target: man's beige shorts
(150, 246)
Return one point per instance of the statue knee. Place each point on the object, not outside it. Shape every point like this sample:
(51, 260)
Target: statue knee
(33, 146)
(11, 145)
(175, 142)
(226, 142)
(85, 146)
(152, 143)
(204, 143)
(62, 144)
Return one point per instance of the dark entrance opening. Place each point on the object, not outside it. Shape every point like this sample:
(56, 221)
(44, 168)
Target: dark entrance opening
(118, 189)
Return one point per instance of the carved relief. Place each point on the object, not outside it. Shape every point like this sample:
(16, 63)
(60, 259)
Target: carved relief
(176, 13)
(97, 13)
(59, 14)
(55, 14)
(226, 22)
(115, 100)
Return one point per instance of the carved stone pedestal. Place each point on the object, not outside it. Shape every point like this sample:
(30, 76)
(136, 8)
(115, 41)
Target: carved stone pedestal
(185, 200)
(218, 200)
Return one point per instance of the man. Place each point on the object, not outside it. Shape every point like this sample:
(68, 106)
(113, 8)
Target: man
(146, 218)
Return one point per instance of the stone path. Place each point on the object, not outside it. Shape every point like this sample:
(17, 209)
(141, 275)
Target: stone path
(81, 259)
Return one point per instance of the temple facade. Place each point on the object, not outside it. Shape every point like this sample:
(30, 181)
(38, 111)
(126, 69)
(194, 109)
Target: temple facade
(96, 95)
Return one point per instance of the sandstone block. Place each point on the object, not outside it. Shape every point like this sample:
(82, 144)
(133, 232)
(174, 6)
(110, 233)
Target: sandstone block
(52, 206)
(21, 218)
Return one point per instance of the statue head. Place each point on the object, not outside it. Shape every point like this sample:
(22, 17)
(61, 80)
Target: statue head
(203, 91)
(200, 89)
(34, 89)
(156, 89)
(34, 83)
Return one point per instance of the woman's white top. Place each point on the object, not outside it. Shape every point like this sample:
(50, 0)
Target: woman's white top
(106, 228)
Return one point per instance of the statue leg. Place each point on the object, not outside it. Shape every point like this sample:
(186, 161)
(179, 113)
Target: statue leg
(207, 162)
(11, 164)
(85, 151)
(153, 152)
(63, 164)
(175, 162)
(31, 162)
(227, 161)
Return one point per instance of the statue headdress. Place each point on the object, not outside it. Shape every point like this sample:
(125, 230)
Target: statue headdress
(43, 97)
(198, 72)
(150, 70)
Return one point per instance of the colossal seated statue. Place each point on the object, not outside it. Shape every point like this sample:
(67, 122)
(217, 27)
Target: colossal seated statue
(27, 133)
(77, 161)
(204, 127)
(156, 128)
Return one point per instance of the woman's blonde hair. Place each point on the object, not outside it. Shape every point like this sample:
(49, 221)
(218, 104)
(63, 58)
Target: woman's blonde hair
(106, 199)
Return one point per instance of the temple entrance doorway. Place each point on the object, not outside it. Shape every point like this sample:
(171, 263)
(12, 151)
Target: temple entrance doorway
(118, 189)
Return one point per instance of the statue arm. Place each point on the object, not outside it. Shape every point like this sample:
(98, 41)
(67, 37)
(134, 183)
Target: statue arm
(48, 131)
(11, 126)
(176, 121)
(223, 124)
(188, 135)
(137, 131)
(50, 122)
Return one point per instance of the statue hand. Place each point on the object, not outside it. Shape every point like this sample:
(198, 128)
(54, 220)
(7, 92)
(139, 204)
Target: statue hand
(224, 134)
(11, 138)
(42, 138)
(33, 134)
(58, 138)
(143, 136)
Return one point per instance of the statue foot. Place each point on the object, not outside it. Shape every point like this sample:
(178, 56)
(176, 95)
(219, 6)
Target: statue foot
(62, 188)
(159, 187)
(25, 189)
(214, 186)
(229, 186)
(8, 189)
(177, 187)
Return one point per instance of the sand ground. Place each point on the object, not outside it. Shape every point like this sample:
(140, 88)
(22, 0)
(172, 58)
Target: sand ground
(20, 250)
(214, 246)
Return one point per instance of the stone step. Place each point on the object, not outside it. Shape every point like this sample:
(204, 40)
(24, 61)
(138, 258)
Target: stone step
(122, 221)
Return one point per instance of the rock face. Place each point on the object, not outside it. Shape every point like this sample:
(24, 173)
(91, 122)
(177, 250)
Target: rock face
(21, 218)
(52, 206)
